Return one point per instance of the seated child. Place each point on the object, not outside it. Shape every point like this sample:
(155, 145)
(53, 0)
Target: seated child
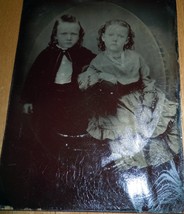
(143, 116)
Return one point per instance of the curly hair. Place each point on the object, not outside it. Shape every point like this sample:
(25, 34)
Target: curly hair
(69, 19)
(101, 31)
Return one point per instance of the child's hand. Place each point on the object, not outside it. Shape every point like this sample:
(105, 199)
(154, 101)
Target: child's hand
(85, 80)
(28, 108)
(82, 81)
(82, 85)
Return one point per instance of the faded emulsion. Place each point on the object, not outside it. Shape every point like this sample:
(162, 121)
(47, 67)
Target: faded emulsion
(94, 116)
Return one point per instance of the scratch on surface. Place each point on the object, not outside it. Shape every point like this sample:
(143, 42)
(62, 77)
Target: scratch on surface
(44, 170)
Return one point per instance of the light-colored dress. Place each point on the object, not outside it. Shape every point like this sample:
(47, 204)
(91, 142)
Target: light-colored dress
(144, 119)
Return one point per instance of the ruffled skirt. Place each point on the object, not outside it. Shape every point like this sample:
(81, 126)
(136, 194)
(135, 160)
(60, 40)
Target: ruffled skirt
(139, 134)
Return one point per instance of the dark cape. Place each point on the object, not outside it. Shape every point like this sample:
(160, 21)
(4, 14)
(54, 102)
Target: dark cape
(60, 107)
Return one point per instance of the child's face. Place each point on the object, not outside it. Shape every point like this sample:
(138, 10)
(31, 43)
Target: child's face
(115, 37)
(67, 34)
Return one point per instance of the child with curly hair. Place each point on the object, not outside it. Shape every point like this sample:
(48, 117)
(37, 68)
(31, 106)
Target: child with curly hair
(129, 111)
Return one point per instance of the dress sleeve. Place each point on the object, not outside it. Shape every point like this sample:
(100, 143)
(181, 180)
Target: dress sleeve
(89, 77)
(149, 96)
(149, 84)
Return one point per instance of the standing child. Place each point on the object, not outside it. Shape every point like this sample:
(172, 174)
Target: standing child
(51, 90)
(130, 111)
(57, 116)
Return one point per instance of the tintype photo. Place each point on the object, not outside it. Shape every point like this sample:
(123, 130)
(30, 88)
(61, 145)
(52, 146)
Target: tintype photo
(94, 112)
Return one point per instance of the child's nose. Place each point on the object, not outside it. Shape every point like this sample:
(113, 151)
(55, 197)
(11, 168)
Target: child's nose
(115, 37)
(69, 36)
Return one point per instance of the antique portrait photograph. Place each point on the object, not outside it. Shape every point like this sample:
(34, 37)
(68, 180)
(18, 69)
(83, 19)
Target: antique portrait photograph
(94, 116)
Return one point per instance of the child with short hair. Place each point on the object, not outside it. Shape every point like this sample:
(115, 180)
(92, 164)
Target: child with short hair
(134, 113)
